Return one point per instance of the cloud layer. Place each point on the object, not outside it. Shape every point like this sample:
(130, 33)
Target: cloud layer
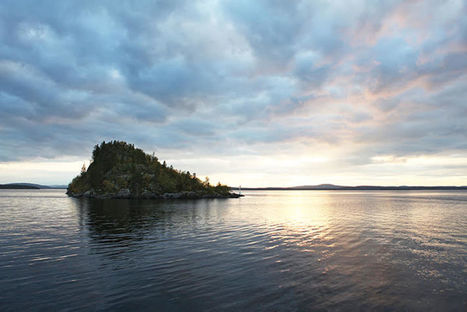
(366, 85)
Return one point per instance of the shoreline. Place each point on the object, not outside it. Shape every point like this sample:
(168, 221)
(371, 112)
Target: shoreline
(126, 194)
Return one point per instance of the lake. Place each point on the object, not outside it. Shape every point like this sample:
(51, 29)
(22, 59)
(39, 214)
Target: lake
(267, 251)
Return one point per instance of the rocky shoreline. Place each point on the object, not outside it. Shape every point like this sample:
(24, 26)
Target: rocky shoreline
(126, 194)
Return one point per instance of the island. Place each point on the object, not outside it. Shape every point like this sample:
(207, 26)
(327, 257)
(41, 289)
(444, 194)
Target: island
(119, 170)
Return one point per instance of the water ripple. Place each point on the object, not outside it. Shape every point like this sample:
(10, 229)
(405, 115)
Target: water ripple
(270, 251)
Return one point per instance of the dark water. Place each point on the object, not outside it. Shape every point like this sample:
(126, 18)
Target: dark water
(268, 251)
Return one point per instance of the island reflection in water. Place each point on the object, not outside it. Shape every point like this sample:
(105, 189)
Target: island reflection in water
(282, 250)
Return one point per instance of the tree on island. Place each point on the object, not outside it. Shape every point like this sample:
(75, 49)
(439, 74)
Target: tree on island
(117, 166)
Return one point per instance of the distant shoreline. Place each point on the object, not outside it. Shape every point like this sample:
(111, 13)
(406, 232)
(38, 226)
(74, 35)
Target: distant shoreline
(356, 188)
(327, 187)
(29, 186)
(18, 187)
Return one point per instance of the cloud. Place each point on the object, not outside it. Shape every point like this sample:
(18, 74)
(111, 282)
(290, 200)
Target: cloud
(354, 80)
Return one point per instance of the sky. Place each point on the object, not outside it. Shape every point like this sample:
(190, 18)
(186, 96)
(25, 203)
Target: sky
(252, 93)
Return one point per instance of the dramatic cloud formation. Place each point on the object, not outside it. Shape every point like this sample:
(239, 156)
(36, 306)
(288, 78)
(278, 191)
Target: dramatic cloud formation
(247, 92)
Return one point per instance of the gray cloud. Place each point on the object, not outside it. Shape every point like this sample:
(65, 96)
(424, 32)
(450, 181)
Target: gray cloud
(235, 75)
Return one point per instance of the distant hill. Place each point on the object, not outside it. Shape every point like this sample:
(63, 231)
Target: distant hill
(330, 187)
(119, 170)
(19, 186)
(30, 186)
(57, 186)
(318, 187)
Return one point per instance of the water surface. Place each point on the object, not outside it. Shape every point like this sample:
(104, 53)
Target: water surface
(268, 251)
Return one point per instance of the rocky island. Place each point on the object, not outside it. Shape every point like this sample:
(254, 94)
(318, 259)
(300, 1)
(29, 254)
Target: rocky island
(119, 170)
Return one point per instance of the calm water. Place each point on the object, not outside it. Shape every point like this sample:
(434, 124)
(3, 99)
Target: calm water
(268, 251)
